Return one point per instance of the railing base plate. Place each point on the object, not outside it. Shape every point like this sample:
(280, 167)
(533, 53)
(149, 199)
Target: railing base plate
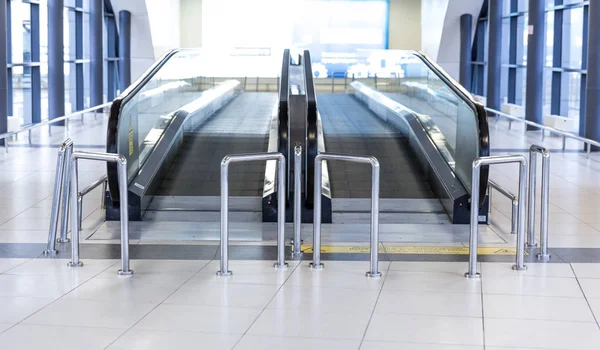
(542, 257)
(60, 240)
(124, 273)
(280, 267)
(373, 274)
(316, 267)
(50, 252)
(72, 264)
(517, 268)
(475, 275)
(224, 274)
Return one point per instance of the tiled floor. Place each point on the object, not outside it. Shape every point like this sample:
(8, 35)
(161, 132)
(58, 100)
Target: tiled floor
(184, 305)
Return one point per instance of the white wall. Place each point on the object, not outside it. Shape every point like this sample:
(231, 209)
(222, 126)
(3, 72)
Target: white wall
(190, 26)
(165, 20)
(142, 50)
(405, 25)
(433, 14)
(448, 55)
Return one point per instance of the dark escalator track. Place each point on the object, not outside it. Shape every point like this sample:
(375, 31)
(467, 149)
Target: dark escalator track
(350, 128)
(242, 126)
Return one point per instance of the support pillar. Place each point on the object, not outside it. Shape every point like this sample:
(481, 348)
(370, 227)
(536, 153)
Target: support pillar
(3, 71)
(494, 53)
(56, 63)
(466, 44)
(124, 49)
(96, 54)
(592, 92)
(535, 63)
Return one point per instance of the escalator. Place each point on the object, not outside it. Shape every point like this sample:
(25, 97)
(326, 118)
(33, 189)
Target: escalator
(425, 131)
(176, 124)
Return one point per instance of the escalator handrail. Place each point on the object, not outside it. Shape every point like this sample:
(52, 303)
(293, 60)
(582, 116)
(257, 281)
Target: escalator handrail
(312, 146)
(112, 134)
(284, 116)
(478, 109)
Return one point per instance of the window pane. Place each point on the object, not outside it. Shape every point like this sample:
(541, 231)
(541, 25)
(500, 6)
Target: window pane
(549, 39)
(21, 32)
(522, 40)
(520, 87)
(523, 5)
(505, 40)
(547, 99)
(572, 38)
(570, 96)
(504, 85)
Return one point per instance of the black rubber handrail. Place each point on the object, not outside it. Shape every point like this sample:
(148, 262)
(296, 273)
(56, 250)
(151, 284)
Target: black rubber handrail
(284, 116)
(478, 109)
(112, 134)
(312, 140)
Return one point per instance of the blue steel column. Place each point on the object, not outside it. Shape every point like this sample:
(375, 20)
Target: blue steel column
(124, 49)
(3, 71)
(592, 92)
(535, 63)
(56, 70)
(466, 39)
(97, 56)
(494, 53)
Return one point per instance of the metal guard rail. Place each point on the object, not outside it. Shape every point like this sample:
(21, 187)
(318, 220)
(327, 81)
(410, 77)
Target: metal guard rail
(585, 140)
(50, 122)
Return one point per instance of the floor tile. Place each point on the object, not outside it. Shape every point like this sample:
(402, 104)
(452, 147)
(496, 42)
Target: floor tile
(332, 277)
(430, 266)
(223, 294)
(586, 270)
(591, 287)
(7, 264)
(432, 282)
(425, 329)
(28, 337)
(341, 324)
(533, 269)
(379, 345)
(541, 334)
(155, 340)
(85, 313)
(257, 342)
(36, 286)
(326, 299)
(5, 326)
(247, 272)
(166, 271)
(127, 289)
(529, 285)
(15, 309)
(537, 308)
(58, 267)
(430, 303)
(206, 319)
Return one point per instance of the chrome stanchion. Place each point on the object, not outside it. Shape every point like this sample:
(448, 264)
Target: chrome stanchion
(123, 204)
(235, 158)
(474, 222)
(374, 239)
(62, 164)
(297, 248)
(64, 226)
(543, 255)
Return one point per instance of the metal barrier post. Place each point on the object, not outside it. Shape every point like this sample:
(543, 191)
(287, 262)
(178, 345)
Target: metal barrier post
(296, 251)
(473, 238)
(64, 226)
(543, 255)
(374, 239)
(124, 210)
(235, 158)
(62, 164)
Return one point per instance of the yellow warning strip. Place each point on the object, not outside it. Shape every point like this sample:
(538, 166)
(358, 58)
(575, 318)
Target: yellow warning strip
(414, 250)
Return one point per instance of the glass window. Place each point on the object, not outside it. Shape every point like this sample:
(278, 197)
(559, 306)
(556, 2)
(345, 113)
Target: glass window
(505, 40)
(572, 38)
(522, 35)
(570, 95)
(547, 98)
(549, 39)
(523, 5)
